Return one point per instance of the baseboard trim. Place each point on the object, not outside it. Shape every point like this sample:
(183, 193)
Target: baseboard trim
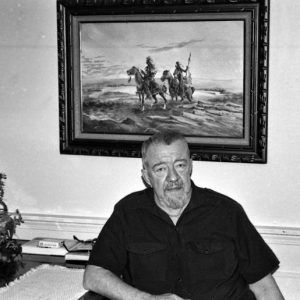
(280, 234)
(59, 226)
(65, 226)
(285, 275)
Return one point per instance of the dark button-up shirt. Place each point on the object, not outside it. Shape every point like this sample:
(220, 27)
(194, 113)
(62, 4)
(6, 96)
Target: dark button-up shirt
(213, 252)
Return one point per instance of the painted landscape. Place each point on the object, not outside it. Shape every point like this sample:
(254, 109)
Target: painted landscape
(213, 52)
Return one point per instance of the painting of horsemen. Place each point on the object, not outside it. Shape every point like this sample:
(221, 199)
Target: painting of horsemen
(140, 77)
(127, 69)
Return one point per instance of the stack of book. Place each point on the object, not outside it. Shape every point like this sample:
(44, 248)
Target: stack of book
(74, 251)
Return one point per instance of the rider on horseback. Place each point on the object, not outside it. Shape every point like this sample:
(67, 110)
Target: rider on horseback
(178, 73)
(149, 74)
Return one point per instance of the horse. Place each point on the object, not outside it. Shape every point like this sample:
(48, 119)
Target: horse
(141, 88)
(140, 84)
(173, 84)
(174, 87)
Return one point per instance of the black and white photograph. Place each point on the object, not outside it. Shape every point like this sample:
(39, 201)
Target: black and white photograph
(149, 150)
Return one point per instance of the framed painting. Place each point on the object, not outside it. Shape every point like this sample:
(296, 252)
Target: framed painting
(130, 68)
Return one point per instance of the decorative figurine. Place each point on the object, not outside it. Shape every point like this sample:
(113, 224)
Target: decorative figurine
(9, 248)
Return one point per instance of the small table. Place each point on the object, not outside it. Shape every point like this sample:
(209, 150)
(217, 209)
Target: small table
(24, 263)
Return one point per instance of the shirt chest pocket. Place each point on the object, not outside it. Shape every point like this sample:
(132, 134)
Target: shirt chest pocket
(147, 261)
(206, 259)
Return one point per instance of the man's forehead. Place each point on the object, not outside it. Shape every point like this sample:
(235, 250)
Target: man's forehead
(178, 148)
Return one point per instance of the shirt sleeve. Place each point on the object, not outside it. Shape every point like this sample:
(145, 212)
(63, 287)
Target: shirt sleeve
(256, 259)
(109, 251)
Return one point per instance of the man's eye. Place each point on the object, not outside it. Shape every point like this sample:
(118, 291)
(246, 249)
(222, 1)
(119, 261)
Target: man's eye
(181, 166)
(160, 170)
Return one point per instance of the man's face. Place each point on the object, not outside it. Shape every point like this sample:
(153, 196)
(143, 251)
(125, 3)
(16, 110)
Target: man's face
(168, 170)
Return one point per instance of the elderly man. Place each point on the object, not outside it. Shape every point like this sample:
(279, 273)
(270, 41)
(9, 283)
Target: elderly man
(175, 240)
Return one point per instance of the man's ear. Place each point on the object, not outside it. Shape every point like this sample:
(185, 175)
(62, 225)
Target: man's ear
(191, 164)
(145, 177)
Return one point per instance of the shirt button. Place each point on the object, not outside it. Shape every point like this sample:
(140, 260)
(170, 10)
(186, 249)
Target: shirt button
(179, 279)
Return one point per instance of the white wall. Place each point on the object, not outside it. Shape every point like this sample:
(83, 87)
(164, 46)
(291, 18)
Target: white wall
(40, 180)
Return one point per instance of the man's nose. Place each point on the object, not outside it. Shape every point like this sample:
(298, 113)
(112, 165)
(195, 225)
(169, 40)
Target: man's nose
(172, 174)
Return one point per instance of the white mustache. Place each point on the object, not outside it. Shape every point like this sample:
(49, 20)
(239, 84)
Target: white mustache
(174, 185)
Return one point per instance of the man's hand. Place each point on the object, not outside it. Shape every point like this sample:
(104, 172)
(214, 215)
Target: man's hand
(167, 297)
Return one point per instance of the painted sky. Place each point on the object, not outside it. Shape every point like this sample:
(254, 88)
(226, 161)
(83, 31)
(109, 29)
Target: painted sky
(216, 47)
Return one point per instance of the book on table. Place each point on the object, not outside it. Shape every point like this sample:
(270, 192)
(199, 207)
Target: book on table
(80, 252)
(77, 256)
(71, 249)
(48, 246)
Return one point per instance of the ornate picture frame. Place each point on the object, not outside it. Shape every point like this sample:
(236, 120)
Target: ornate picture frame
(128, 68)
